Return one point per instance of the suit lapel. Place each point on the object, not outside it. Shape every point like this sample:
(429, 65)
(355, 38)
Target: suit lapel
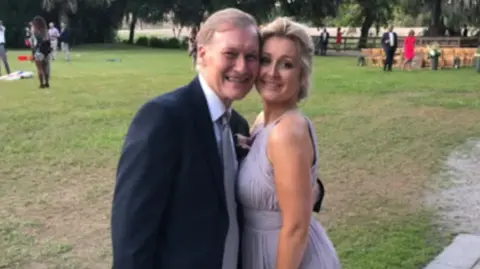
(204, 125)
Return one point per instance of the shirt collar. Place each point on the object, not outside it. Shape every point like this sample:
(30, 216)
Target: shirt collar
(215, 105)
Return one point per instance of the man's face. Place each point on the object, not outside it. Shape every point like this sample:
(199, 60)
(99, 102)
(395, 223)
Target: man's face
(230, 62)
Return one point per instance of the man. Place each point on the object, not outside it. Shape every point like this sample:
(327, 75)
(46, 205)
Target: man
(389, 44)
(65, 41)
(465, 31)
(54, 34)
(323, 42)
(3, 51)
(174, 201)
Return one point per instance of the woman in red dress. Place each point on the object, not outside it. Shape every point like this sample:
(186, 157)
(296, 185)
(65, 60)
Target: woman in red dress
(338, 39)
(409, 49)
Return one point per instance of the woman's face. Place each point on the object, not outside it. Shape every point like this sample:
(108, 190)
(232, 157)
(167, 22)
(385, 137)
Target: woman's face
(280, 78)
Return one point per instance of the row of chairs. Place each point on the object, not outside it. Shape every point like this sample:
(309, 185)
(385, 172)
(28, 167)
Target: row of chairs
(465, 56)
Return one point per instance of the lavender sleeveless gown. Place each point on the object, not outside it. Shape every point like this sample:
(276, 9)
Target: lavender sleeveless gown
(262, 219)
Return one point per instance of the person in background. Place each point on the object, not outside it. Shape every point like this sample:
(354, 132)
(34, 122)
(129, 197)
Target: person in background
(42, 51)
(409, 50)
(53, 34)
(338, 39)
(28, 36)
(192, 46)
(33, 41)
(3, 51)
(465, 30)
(389, 44)
(65, 40)
(324, 37)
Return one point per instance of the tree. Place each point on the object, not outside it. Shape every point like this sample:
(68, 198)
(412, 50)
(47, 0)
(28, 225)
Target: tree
(70, 6)
(150, 11)
(445, 14)
(309, 10)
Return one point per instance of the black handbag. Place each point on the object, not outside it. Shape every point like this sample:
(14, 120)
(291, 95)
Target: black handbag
(321, 193)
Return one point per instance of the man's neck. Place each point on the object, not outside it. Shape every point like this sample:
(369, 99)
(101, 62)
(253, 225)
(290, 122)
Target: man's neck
(226, 103)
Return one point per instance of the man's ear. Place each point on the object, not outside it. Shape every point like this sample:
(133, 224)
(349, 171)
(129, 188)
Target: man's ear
(201, 54)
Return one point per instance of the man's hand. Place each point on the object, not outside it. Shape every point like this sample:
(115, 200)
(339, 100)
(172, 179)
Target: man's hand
(244, 141)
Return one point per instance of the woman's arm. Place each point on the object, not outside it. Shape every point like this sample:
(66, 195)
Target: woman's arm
(290, 151)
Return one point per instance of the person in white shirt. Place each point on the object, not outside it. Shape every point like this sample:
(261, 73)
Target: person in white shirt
(54, 34)
(65, 41)
(3, 51)
(33, 41)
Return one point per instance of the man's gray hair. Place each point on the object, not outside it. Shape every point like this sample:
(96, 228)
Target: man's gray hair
(223, 20)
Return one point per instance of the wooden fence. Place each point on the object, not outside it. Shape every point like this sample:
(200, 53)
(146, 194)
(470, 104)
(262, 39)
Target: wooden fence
(464, 56)
(350, 43)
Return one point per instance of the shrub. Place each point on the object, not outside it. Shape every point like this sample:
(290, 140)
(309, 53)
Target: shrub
(172, 43)
(161, 42)
(142, 41)
(156, 42)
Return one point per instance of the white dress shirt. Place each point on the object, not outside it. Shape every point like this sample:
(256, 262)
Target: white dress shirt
(216, 109)
(390, 35)
(53, 33)
(324, 36)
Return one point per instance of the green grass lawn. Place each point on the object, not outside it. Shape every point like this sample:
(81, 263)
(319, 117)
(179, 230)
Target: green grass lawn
(381, 136)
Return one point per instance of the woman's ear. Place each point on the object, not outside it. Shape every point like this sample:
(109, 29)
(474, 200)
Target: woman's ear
(304, 81)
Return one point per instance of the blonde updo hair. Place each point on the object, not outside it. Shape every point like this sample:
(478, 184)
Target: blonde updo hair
(287, 28)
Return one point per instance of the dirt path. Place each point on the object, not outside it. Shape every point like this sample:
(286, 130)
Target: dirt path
(457, 196)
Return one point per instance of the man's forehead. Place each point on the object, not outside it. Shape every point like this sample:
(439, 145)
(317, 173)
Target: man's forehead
(246, 37)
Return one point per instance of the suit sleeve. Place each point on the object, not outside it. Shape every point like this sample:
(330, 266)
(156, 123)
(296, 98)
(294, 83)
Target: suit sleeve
(244, 127)
(144, 177)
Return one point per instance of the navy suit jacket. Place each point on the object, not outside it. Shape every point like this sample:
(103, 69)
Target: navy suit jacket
(386, 38)
(169, 209)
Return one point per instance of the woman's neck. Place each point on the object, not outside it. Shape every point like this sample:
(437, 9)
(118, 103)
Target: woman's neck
(272, 112)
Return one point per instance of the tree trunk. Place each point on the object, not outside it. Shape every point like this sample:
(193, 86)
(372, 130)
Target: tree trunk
(437, 28)
(366, 25)
(133, 24)
(63, 15)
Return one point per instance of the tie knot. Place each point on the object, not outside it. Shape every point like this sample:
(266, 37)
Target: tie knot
(225, 118)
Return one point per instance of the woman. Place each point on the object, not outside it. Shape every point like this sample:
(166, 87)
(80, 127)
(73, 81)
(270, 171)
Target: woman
(42, 51)
(276, 179)
(409, 50)
(338, 39)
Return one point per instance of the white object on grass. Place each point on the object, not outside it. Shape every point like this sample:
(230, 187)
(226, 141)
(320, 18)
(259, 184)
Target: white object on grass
(17, 75)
